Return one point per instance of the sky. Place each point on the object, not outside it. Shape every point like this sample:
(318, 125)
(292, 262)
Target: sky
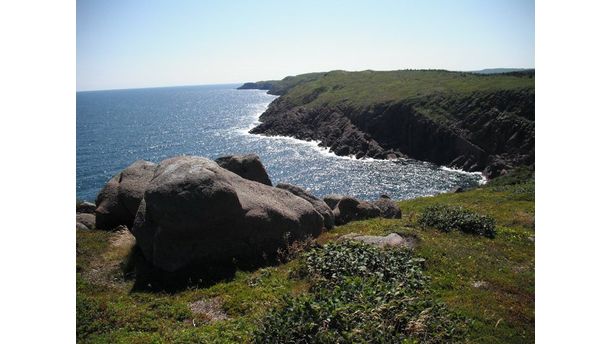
(152, 43)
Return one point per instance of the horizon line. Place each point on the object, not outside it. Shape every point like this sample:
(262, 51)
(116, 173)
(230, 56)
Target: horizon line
(243, 82)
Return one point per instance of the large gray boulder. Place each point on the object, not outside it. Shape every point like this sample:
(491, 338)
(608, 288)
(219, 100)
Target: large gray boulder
(351, 209)
(117, 203)
(195, 212)
(320, 206)
(247, 166)
(388, 208)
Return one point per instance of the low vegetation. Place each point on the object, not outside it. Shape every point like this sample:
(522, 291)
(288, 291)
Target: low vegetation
(454, 287)
(361, 294)
(448, 218)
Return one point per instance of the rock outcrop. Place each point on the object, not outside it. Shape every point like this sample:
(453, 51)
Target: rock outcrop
(247, 166)
(118, 202)
(320, 206)
(351, 209)
(489, 128)
(195, 212)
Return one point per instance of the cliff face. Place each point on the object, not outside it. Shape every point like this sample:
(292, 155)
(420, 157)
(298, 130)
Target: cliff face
(481, 130)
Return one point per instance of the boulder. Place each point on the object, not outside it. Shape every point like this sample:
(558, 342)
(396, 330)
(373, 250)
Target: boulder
(320, 206)
(81, 226)
(117, 203)
(86, 207)
(351, 209)
(87, 220)
(195, 213)
(391, 240)
(388, 208)
(247, 166)
(332, 200)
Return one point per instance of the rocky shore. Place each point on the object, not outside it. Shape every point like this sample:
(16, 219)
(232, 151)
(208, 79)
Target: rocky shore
(190, 211)
(481, 125)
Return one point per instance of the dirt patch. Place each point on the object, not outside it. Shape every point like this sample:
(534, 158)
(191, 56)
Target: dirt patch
(208, 311)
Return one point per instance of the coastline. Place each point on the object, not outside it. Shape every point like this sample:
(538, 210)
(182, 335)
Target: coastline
(326, 150)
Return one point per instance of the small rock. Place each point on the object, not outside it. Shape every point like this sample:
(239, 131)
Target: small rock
(86, 207)
(247, 166)
(391, 240)
(388, 208)
(351, 209)
(87, 220)
(81, 226)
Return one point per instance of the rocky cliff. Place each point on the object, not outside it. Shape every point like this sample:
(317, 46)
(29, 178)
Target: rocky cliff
(463, 120)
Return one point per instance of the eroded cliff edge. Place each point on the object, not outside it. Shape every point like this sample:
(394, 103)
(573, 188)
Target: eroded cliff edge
(463, 120)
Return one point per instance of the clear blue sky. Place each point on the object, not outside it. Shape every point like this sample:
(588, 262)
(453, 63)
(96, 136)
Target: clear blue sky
(149, 43)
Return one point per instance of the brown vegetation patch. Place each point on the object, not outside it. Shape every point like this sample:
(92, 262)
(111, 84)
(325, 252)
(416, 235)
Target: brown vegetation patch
(208, 311)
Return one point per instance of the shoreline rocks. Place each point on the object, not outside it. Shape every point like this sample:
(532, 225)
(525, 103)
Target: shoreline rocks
(190, 212)
(491, 131)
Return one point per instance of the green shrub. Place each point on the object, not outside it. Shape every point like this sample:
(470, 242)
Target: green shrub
(361, 294)
(447, 218)
(347, 259)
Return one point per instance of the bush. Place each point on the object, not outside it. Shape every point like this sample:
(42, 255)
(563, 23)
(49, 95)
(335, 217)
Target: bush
(347, 259)
(447, 218)
(361, 294)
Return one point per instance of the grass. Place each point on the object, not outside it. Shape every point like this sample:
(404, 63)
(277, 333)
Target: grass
(359, 89)
(491, 282)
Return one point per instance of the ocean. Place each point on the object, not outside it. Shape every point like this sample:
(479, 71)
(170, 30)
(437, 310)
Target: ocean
(118, 127)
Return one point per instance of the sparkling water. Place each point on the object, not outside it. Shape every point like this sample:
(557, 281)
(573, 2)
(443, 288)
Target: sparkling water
(115, 128)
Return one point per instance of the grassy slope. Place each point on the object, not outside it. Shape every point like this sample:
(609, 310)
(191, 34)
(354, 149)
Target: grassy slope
(502, 310)
(359, 89)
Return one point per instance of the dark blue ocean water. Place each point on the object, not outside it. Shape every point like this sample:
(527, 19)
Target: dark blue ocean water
(115, 128)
